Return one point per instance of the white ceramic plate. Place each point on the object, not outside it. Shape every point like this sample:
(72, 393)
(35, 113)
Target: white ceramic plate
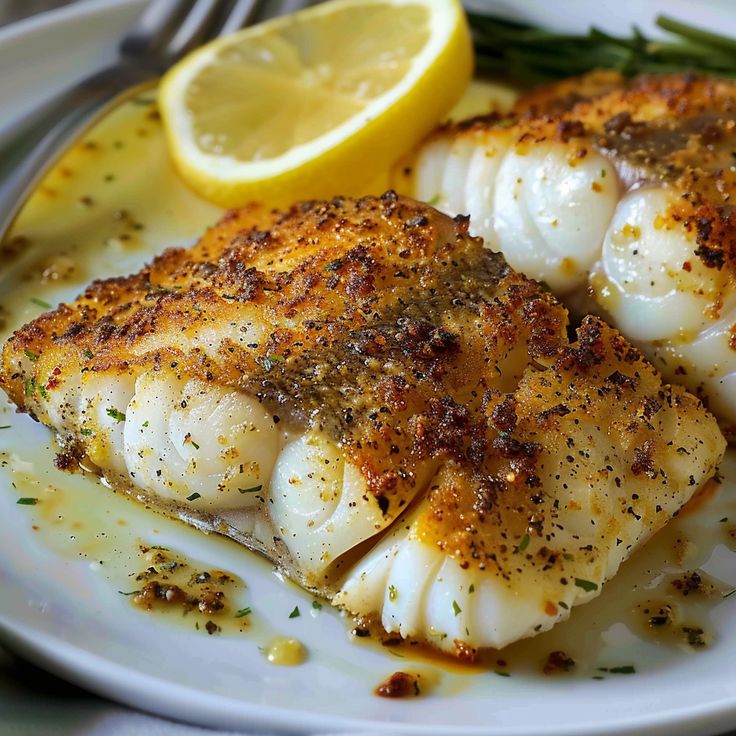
(66, 614)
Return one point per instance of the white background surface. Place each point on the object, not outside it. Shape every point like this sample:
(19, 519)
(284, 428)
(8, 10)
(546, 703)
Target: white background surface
(32, 702)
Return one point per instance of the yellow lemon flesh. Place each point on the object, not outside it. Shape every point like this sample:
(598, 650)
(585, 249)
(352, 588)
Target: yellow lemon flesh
(318, 103)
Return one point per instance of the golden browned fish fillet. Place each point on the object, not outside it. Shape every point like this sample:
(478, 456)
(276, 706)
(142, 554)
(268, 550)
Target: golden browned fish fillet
(302, 381)
(618, 194)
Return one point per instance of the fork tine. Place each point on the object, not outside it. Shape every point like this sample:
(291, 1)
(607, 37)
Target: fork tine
(157, 22)
(242, 14)
(268, 9)
(196, 28)
(285, 7)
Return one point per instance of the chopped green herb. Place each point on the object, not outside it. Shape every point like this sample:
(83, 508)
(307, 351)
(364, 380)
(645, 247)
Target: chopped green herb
(33, 357)
(146, 423)
(627, 669)
(603, 173)
(194, 496)
(435, 200)
(316, 605)
(393, 594)
(40, 302)
(562, 604)
(253, 489)
(89, 354)
(268, 361)
(42, 392)
(244, 612)
(117, 415)
(586, 585)
(194, 445)
(27, 501)
(456, 608)
(598, 677)
(295, 613)
(333, 265)
(730, 593)
(725, 518)
(86, 431)
(132, 592)
(417, 691)
(524, 543)
(471, 589)
(501, 673)
(5, 426)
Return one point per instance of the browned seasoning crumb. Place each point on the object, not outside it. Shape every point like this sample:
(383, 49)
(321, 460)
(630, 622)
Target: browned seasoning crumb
(464, 652)
(659, 616)
(155, 592)
(67, 460)
(211, 601)
(693, 582)
(558, 662)
(399, 685)
(690, 582)
(14, 247)
(664, 620)
(168, 583)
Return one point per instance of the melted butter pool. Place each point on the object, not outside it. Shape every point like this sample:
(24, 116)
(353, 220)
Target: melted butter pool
(112, 203)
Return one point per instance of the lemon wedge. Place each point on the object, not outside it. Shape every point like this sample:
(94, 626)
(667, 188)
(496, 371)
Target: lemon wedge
(318, 103)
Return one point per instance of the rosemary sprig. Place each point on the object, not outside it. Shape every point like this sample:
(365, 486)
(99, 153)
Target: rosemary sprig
(534, 55)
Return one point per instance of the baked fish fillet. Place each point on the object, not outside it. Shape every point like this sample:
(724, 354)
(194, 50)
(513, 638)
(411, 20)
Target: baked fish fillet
(302, 381)
(618, 195)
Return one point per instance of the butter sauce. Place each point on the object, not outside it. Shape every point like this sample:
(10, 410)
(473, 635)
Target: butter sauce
(112, 203)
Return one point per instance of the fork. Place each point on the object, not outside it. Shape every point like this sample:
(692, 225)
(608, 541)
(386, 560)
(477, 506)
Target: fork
(165, 32)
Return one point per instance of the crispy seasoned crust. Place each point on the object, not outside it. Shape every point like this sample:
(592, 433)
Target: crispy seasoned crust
(555, 97)
(679, 130)
(371, 309)
(593, 392)
(397, 334)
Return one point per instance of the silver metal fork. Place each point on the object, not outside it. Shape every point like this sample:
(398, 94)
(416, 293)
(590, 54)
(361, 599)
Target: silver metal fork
(166, 31)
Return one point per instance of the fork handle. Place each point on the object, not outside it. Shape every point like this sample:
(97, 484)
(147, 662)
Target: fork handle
(32, 146)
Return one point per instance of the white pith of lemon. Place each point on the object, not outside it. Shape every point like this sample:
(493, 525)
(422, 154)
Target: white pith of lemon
(318, 103)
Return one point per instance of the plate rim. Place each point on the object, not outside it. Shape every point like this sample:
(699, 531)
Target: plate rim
(83, 667)
(81, 8)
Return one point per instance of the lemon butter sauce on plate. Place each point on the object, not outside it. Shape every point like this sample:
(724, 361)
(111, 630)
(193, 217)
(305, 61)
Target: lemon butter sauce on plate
(88, 227)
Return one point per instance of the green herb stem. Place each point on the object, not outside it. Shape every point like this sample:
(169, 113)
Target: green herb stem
(531, 54)
(700, 35)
